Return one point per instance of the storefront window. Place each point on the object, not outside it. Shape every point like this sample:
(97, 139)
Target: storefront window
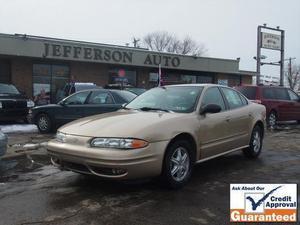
(189, 79)
(48, 82)
(122, 76)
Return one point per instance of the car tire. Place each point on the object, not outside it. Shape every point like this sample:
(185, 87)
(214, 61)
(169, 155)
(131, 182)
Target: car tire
(44, 123)
(255, 145)
(272, 119)
(178, 164)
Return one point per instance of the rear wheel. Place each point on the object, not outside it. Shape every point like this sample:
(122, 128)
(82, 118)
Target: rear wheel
(44, 123)
(272, 119)
(255, 144)
(178, 163)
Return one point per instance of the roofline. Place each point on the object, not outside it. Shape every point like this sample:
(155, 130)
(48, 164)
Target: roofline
(33, 37)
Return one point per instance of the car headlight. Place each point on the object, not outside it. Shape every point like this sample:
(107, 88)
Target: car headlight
(0, 105)
(60, 137)
(30, 104)
(119, 143)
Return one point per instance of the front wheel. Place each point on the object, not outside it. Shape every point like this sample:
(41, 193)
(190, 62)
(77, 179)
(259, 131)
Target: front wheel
(178, 163)
(255, 145)
(43, 123)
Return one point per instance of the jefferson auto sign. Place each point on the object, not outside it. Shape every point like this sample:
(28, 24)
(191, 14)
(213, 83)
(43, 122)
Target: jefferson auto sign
(270, 41)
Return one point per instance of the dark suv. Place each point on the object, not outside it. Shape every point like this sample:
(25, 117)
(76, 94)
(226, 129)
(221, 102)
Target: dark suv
(282, 103)
(13, 104)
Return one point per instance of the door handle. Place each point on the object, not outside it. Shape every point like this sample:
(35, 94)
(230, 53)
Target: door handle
(227, 118)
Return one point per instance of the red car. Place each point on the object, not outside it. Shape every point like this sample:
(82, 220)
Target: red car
(282, 103)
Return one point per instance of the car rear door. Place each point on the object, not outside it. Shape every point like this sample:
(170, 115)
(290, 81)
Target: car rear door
(100, 101)
(294, 105)
(72, 108)
(284, 105)
(239, 119)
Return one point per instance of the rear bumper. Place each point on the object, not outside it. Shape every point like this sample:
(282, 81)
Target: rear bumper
(109, 163)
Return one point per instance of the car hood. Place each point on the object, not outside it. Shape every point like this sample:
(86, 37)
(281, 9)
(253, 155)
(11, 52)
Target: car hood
(12, 96)
(125, 123)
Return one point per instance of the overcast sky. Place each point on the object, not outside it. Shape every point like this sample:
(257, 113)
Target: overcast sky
(226, 27)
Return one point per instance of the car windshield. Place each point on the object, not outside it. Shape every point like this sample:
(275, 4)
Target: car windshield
(8, 89)
(182, 99)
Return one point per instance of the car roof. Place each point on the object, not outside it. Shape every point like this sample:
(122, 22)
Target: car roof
(261, 86)
(196, 85)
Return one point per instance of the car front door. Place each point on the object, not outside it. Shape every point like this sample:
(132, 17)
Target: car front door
(294, 109)
(213, 127)
(100, 101)
(72, 108)
(239, 119)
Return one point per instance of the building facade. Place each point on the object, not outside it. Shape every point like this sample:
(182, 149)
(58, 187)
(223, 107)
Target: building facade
(36, 64)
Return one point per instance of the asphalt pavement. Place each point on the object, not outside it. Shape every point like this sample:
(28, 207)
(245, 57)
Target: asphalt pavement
(34, 192)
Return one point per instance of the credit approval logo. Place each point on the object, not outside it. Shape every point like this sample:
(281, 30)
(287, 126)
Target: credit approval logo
(263, 202)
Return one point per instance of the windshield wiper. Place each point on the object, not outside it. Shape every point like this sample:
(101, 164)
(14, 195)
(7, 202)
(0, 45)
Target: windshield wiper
(154, 109)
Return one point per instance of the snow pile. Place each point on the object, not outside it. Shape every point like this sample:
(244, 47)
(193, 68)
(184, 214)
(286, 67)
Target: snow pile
(19, 128)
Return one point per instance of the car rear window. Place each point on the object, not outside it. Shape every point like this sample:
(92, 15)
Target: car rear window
(249, 92)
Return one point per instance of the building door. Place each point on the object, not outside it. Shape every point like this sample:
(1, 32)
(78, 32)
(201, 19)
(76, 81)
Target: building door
(48, 82)
(5, 71)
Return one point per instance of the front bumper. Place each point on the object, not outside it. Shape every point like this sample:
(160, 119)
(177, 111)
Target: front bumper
(108, 163)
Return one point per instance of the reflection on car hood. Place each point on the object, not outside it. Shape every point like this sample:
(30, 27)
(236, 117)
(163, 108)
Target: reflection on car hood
(122, 123)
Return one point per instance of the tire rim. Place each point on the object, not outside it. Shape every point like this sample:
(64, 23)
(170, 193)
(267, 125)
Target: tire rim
(256, 142)
(43, 123)
(272, 120)
(179, 164)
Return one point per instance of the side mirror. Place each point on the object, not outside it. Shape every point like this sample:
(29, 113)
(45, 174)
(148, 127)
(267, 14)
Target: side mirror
(124, 105)
(210, 108)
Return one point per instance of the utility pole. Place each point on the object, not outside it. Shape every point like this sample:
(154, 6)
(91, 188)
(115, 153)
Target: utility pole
(258, 55)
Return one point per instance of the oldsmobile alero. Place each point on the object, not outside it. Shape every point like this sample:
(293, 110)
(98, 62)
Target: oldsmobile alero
(163, 132)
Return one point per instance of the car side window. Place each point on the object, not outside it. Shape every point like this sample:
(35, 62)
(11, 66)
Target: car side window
(268, 93)
(233, 98)
(244, 100)
(100, 97)
(77, 99)
(293, 96)
(213, 96)
(281, 94)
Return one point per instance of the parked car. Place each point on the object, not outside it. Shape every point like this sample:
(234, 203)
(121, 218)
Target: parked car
(282, 103)
(3, 143)
(162, 132)
(81, 104)
(13, 104)
(73, 87)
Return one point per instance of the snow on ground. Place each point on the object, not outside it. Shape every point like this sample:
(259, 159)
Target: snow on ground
(19, 128)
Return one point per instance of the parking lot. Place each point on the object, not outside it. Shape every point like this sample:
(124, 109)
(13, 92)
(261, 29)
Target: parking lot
(34, 192)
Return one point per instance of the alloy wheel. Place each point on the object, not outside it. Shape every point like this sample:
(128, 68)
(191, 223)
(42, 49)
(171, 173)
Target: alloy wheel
(43, 123)
(179, 164)
(256, 142)
(272, 119)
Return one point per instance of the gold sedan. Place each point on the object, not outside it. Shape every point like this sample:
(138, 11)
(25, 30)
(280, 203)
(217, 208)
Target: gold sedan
(162, 132)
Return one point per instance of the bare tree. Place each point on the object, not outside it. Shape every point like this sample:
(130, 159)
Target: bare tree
(293, 76)
(163, 41)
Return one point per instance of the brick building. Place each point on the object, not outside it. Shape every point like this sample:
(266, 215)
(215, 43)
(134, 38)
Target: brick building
(34, 63)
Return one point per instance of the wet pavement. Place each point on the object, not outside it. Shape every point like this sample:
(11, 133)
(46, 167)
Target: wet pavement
(34, 192)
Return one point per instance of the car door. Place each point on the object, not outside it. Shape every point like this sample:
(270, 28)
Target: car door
(294, 109)
(100, 101)
(213, 127)
(284, 104)
(239, 119)
(72, 108)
